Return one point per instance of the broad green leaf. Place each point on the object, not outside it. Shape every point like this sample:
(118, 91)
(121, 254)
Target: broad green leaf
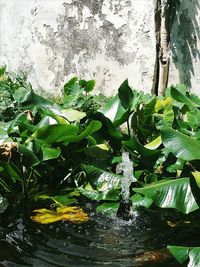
(167, 117)
(195, 99)
(93, 127)
(50, 152)
(117, 159)
(177, 166)
(185, 254)
(110, 195)
(40, 102)
(100, 151)
(194, 182)
(65, 133)
(141, 201)
(29, 159)
(134, 146)
(108, 130)
(46, 121)
(56, 133)
(20, 122)
(125, 95)
(110, 208)
(174, 193)
(69, 84)
(181, 145)
(20, 95)
(142, 121)
(180, 97)
(193, 119)
(114, 111)
(70, 115)
(101, 179)
(14, 173)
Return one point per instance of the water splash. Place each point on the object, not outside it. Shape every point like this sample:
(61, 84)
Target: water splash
(126, 167)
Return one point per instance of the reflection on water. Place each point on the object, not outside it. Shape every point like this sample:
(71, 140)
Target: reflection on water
(99, 242)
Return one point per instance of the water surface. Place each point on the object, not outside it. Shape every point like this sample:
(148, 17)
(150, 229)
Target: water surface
(102, 241)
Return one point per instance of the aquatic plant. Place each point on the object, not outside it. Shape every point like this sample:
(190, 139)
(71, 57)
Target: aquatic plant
(53, 152)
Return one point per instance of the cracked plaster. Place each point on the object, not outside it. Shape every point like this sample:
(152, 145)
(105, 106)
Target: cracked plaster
(108, 40)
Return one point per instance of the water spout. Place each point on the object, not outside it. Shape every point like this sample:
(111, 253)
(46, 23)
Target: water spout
(126, 167)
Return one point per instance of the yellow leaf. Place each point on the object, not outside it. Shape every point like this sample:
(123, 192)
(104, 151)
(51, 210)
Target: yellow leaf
(103, 147)
(71, 214)
(162, 104)
(177, 223)
(155, 143)
(3, 78)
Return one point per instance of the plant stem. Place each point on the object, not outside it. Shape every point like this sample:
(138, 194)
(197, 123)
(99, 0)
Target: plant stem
(128, 127)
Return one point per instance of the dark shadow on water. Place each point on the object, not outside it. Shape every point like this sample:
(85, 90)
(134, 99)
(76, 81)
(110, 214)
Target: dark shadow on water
(185, 36)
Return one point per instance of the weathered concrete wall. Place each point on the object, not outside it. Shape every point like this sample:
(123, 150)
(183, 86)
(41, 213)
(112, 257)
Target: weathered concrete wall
(108, 40)
(185, 46)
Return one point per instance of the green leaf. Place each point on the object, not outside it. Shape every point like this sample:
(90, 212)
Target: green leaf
(93, 127)
(183, 254)
(4, 138)
(56, 133)
(72, 114)
(89, 86)
(114, 111)
(194, 181)
(180, 97)
(110, 195)
(50, 152)
(134, 146)
(70, 84)
(100, 151)
(72, 91)
(125, 95)
(174, 193)
(101, 179)
(110, 208)
(60, 115)
(181, 145)
(2, 70)
(20, 94)
(193, 119)
(141, 201)
(64, 133)
(14, 173)
(29, 159)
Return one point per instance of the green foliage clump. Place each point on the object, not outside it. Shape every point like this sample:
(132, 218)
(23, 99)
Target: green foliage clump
(9, 83)
(72, 150)
(77, 95)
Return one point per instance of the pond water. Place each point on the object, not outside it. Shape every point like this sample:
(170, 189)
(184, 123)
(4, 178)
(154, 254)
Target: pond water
(102, 241)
